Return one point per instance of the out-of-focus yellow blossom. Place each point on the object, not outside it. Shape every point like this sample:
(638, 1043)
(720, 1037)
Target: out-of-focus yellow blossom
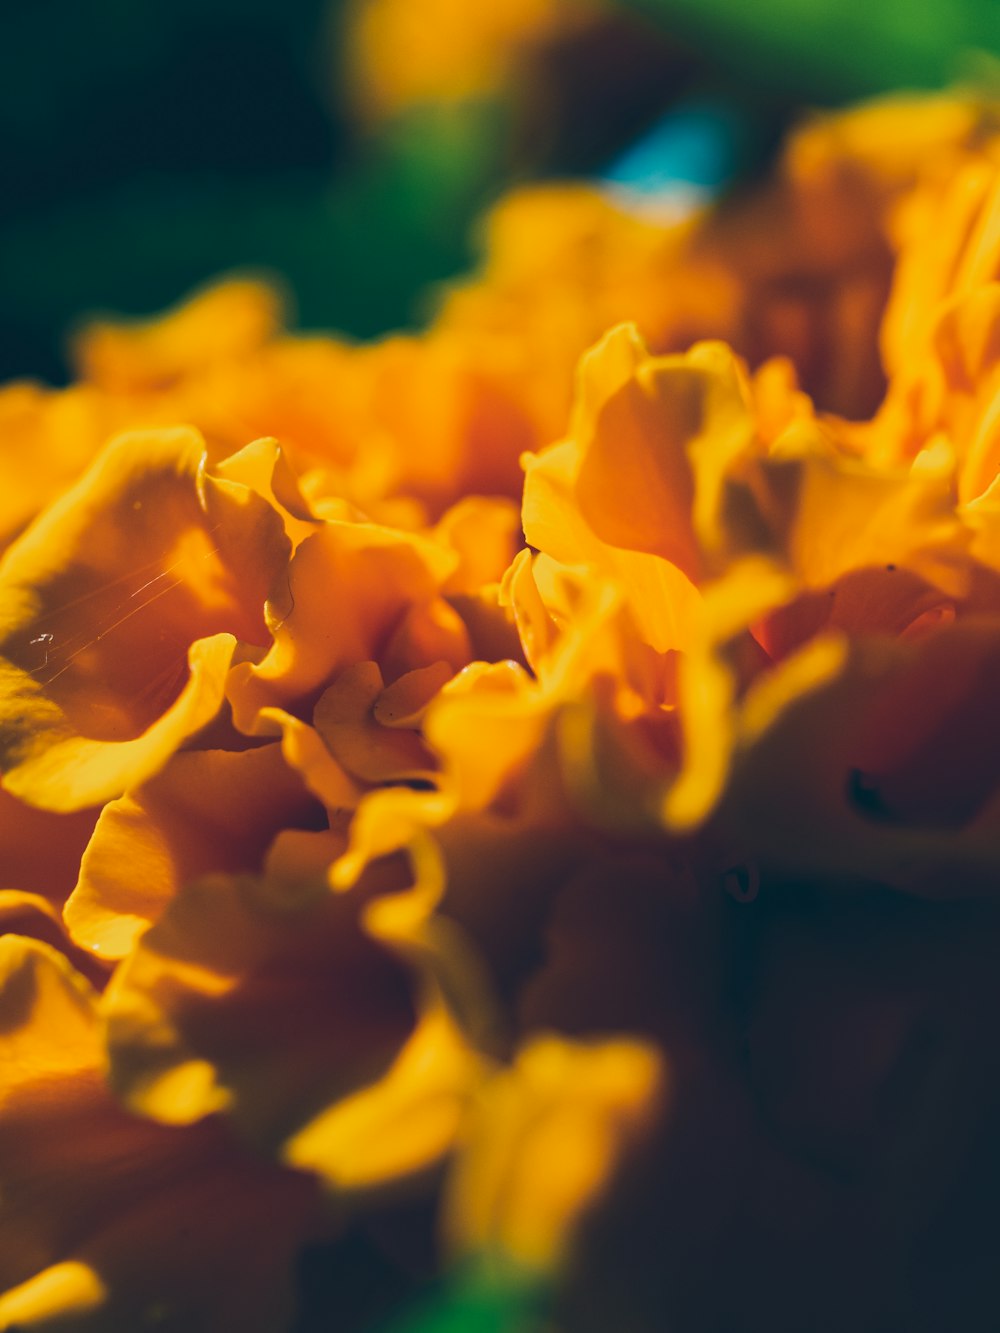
(940, 338)
(47, 439)
(445, 53)
(551, 1129)
(800, 267)
(220, 324)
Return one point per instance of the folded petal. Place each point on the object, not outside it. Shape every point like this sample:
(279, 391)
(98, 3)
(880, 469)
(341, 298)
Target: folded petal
(207, 811)
(262, 998)
(350, 588)
(119, 611)
(548, 1134)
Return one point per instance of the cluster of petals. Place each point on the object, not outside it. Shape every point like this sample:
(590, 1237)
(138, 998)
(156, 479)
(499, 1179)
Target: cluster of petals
(544, 767)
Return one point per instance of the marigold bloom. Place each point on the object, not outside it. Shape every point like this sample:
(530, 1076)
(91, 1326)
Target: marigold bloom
(427, 861)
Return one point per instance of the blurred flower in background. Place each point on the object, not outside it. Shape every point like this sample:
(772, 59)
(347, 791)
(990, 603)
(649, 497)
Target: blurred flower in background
(144, 153)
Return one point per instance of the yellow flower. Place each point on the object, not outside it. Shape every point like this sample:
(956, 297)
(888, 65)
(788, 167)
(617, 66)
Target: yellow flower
(445, 53)
(732, 540)
(47, 439)
(220, 324)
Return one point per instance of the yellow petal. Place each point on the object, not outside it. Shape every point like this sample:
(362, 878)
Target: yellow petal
(485, 532)
(403, 1125)
(346, 722)
(119, 609)
(547, 1137)
(661, 446)
(374, 575)
(109, 1221)
(207, 811)
(827, 517)
(260, 996)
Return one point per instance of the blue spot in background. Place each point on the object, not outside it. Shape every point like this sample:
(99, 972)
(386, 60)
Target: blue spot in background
(694, 151)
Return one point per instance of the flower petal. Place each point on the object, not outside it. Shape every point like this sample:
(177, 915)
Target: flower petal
(207, 811)
(548, 1135)
(119, 609)
(109, 1221)
(260, 997)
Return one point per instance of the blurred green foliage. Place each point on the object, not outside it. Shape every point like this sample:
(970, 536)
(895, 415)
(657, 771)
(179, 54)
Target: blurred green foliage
(147, 148)
(477, 1301)
(830, 51)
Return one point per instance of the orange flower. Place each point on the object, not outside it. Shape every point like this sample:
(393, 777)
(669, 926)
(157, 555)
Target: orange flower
(418, 858)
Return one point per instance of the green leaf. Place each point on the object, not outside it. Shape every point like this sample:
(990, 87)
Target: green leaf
(478, 1301)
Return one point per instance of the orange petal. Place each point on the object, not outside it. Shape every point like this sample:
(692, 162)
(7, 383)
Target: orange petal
(350, 586)
(118, 611)
(110, 1221)
(260, 997)
(207, 811)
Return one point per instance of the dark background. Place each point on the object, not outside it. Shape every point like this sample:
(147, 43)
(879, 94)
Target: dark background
(145, 148)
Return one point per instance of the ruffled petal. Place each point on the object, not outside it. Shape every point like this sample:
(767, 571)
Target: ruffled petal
(262, 998)
(119, 612)
(207, 811)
